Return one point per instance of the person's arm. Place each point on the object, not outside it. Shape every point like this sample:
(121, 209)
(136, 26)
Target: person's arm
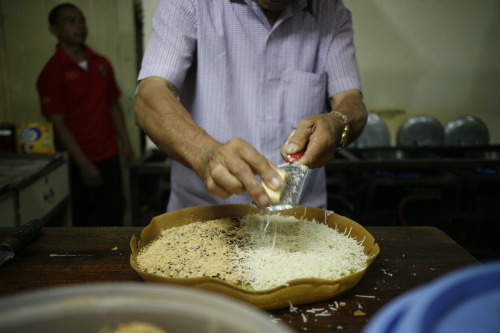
(226, 168)
(121, 130)
(320, 135)
(65, 138)
(351, 104)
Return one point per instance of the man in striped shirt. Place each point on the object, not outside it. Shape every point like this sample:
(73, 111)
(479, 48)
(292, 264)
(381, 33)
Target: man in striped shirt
(228, 88)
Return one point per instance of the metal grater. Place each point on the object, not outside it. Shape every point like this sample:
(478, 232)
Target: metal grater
(293, 187)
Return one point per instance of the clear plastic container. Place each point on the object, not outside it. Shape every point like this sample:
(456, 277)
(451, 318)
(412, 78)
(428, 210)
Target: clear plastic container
(90, 308)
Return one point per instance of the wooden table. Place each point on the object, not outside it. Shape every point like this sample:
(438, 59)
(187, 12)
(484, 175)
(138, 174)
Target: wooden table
(409, 257)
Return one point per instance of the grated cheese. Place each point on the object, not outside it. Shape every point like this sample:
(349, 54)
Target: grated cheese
(258, 252)
(359, 313)
(296, 249)
(323, 314)
(292, 308)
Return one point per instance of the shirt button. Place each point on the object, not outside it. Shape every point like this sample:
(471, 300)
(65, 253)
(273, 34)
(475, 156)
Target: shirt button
(268, 117)
(269, 77)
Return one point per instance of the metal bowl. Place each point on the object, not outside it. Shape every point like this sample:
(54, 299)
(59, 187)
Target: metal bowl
(420, 131)
(375, 134)
(466, 131)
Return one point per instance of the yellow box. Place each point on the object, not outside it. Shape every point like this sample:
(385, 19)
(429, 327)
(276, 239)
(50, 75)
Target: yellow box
(35, 138)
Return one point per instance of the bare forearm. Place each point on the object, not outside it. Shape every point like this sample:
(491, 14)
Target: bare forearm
(170, 126)
(321, 135)
(226, 168)
(351, 104)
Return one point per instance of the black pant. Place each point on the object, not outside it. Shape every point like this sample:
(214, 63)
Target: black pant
(98, 206)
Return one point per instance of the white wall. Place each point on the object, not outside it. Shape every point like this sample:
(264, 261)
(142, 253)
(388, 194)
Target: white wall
(437, 57)
(149, 7)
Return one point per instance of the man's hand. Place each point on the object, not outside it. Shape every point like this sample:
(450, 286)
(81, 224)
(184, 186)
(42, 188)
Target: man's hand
(128, 154)
(121, 131)
(314, 135)
(226, 169)
(88, 170)
(320, 134)
(231, 168)
(90, 174)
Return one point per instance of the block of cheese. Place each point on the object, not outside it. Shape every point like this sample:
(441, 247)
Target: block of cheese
(275, 195)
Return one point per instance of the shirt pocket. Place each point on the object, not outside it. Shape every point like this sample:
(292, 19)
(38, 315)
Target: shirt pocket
(304, 94)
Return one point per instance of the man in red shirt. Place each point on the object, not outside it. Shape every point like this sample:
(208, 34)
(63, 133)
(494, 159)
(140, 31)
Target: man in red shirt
(79, 95)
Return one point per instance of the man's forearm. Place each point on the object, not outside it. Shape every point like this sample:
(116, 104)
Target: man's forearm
(170, 126)
(351, 104)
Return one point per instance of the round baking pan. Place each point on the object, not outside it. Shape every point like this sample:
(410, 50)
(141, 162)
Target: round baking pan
(300, 291)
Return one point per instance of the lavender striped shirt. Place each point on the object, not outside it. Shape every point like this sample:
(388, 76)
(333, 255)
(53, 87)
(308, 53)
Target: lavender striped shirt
(240, 77)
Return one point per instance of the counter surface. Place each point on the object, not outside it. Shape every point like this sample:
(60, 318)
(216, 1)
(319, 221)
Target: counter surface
(409, 257)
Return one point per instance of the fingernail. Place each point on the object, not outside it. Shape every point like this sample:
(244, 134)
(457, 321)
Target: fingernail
(290, 148)
(263, 200)
(275, 183)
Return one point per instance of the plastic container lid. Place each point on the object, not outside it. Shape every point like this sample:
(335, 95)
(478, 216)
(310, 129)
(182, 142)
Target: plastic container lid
(467, 300)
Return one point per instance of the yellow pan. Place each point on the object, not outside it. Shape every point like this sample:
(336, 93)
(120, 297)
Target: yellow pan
(300, 291)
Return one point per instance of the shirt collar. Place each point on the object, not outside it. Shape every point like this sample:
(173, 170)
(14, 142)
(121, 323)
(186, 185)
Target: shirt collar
(307, 5)
(66, 60)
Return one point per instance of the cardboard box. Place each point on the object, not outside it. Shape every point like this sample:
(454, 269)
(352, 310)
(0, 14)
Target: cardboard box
(35, 138)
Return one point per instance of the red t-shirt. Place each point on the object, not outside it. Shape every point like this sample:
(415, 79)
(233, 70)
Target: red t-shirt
(84, 97)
